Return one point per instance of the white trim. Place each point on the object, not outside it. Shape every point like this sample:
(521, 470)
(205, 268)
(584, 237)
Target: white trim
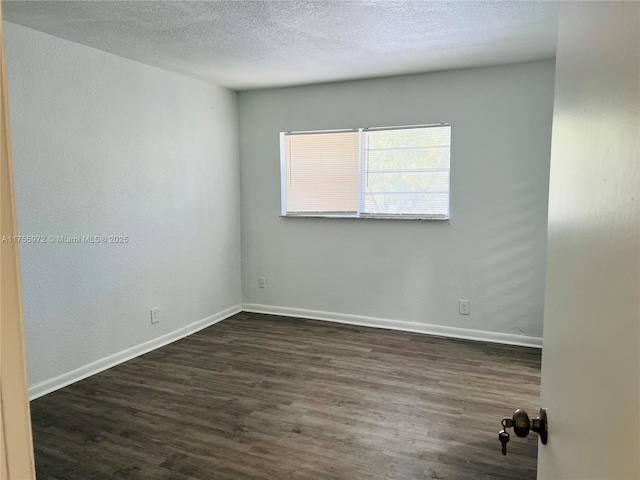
(361, 172)
(53, 384)
(437, 330)
(283, 174)
(48, 386)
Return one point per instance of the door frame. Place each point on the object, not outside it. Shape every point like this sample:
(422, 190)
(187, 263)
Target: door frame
(16, 441)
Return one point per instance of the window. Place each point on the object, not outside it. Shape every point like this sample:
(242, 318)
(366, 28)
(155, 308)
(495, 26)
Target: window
(390, 172)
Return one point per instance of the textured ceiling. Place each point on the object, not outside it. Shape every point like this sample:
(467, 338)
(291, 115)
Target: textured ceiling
(256, 44)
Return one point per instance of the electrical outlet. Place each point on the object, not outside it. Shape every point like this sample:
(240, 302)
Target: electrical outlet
(155, 316)
(262, 282)
(464, 307)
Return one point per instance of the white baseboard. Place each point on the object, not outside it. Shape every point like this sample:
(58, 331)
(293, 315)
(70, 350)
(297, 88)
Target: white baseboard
(48, 386)
(53, 384)
(438, 330)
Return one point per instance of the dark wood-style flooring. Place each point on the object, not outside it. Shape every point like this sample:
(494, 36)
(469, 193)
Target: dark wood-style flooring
(267, 397)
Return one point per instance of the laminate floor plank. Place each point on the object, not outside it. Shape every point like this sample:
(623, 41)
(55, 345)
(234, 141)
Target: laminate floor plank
(262, 397)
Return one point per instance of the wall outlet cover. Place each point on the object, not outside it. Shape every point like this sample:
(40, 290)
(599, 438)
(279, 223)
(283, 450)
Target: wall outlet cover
(464, 307)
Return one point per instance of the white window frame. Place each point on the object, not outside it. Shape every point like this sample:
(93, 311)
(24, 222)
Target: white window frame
(361, 193)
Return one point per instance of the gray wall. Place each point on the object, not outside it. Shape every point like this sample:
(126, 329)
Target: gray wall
(492, 252)
(106, 146)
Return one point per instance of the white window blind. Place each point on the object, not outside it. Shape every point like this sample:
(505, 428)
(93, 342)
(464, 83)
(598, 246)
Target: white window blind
(406, 172)
(391, 172)
(322, 172)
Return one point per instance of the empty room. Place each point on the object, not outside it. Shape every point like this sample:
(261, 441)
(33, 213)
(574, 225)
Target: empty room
(321, 239)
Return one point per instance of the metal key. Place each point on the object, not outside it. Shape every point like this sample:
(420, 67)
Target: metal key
(503, 436)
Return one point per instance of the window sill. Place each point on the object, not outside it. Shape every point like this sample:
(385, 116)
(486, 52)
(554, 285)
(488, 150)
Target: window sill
(352, 217)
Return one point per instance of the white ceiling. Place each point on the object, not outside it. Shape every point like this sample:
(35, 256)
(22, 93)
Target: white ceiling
(256, 44)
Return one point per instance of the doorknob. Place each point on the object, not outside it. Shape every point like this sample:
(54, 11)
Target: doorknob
(522, 425)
